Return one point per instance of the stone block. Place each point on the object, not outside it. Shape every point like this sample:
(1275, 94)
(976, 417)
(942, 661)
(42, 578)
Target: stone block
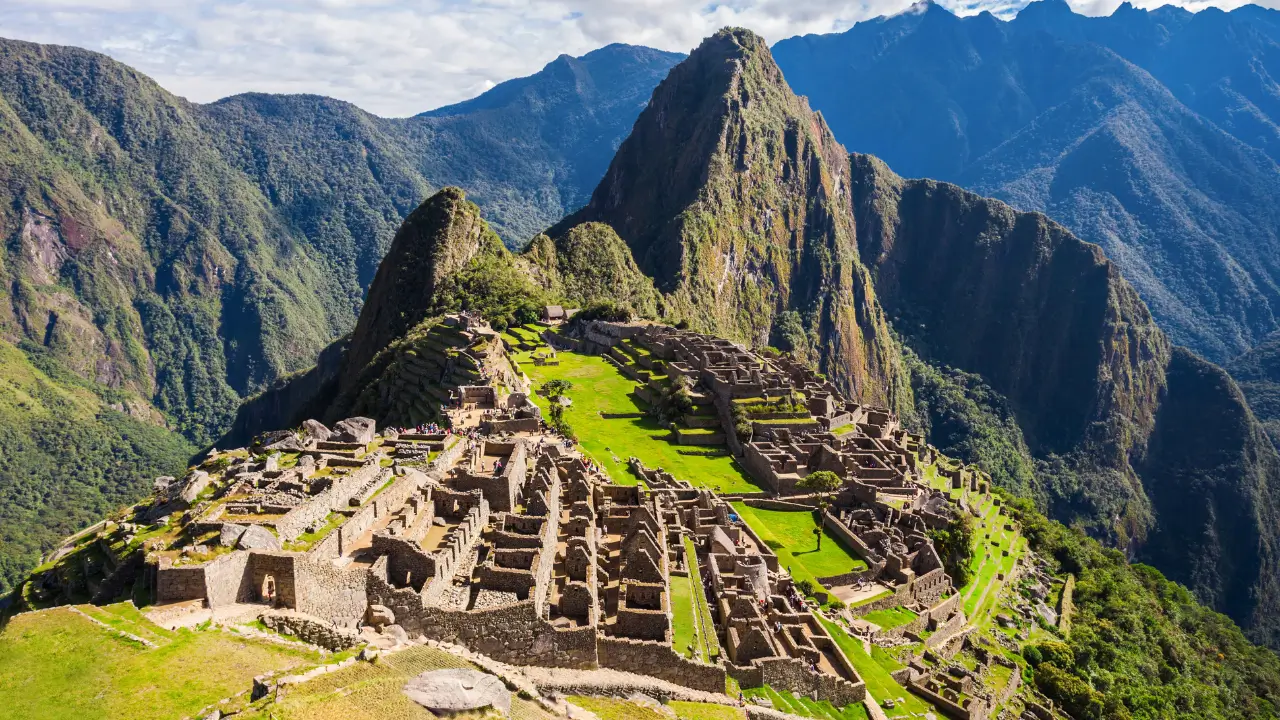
(355, 430)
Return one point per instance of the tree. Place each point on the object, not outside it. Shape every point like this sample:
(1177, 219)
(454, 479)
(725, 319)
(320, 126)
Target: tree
(954, 544)
(824, 482)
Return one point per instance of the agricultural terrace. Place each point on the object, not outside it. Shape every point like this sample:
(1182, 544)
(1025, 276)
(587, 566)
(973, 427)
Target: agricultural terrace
(613, 709)
(875, 672)
(997, 548)
(89, 671)
(806, 707)
(790, 535)
(611, 426)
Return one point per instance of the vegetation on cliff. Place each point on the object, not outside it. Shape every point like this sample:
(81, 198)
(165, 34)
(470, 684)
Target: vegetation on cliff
(1141, 646)
(728, 193)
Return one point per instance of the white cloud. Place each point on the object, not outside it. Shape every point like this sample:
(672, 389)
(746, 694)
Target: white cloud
(399, 57)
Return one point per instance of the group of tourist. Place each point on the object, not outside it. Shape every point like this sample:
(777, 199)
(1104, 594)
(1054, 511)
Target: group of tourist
(421, 429)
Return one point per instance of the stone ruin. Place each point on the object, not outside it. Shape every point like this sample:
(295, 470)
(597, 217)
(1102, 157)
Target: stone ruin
(498, 535)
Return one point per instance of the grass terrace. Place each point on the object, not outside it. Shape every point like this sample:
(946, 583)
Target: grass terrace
(614, 709)
(684, 621)
(59, 664)
(891, 618)
(789, 533)
(611, 425)
(805, 707)
(880, 684)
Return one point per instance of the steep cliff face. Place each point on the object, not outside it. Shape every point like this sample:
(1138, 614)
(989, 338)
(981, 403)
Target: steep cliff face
(1214, 482)
(729, 193)
(1138, 440)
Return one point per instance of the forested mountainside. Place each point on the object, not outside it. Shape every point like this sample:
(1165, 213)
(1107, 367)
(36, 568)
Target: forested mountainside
(1140, 441)
(169, 258)
(1152, 134)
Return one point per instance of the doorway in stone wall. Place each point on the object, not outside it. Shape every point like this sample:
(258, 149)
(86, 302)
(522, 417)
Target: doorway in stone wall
(268, 594)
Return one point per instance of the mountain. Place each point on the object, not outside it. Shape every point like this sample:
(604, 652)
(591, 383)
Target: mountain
(1151, 134)
(1139, 440)
(729, 194)
(1258, 372)
(529, 151)
(751, 221)
(165, 259)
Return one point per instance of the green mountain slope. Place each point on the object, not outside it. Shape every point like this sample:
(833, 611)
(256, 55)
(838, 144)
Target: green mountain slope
(71, 452)
(1152, 134)
(185, 256)
(1142, 442)
(728, 192)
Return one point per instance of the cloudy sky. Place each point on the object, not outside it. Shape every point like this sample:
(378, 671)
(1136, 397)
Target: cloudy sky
(400, 57)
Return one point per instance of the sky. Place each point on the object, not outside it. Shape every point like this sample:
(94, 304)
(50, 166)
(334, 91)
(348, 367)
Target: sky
(401, 57)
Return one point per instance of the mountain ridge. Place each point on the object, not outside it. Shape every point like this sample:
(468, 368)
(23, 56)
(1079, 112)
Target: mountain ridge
(1113, 126)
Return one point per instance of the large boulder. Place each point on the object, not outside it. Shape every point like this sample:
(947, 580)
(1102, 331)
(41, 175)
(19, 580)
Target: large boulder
(230, 534)
(459, 691)
(379, 616)
(256, 537)
(355, 430)
(288, 444)
(272, 437)
(315, 430)
(195, 484)
(248, 537)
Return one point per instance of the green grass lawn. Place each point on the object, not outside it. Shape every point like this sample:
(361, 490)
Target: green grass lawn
(891, 618)
(790, 535)
(683, 622)
(804, 707)
(880, 684)
(708, 637)
(706, 711)
(624, 430)
(57, 664)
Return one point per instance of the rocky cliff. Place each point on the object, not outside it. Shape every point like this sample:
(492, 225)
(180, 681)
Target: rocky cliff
(1154, 134)
(1144, 443)
(732, 195)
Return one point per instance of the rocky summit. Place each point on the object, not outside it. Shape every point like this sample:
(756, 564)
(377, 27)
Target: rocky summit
(762, 430)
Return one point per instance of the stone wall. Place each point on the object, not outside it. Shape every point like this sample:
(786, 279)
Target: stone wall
(407, 564)
(511, 633)
(224, 579)
(176, 584)
(314, 511)
(333, 594)
(280, 567)
(795, 675)
(311, 630)
(339, 542)
(658, 660)
(977, 709)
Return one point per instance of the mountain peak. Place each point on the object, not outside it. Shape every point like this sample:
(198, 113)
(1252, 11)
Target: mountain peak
(728, 193)
(436, 240)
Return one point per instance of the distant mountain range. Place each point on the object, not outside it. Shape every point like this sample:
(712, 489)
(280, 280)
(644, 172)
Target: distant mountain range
(1153, 134)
